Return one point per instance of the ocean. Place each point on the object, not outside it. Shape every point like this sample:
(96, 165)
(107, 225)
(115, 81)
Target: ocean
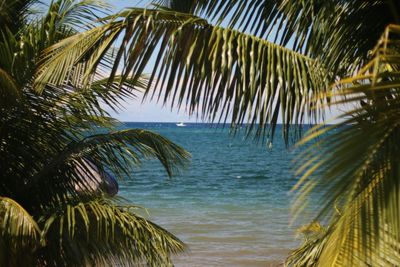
(231, 206)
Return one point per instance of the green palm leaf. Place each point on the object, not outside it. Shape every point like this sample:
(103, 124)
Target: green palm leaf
(335, 32)
(361, 179)
(14, 12)
(118, 151)
(215, 71)
(118, 235)
(19, 233)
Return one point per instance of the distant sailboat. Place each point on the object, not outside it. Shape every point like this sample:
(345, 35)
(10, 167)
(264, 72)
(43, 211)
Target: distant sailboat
(181, 124)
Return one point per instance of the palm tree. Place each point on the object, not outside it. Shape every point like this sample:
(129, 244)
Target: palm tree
(278, 58)
(58, 148)
(361, 179)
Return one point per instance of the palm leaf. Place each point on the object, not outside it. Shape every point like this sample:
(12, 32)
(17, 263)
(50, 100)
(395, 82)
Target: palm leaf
(19, 233)
(119, 236)
(79, 15)
(117, 151)
(333, 31)
(361, 179)
(217, 72)
(309, 252)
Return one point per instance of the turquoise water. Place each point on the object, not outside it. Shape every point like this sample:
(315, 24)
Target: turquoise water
(231, 206)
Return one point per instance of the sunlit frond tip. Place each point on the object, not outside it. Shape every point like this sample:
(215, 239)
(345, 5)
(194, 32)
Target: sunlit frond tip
(16, 224)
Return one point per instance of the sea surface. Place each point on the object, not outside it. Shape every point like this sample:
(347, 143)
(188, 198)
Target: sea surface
(231, 206)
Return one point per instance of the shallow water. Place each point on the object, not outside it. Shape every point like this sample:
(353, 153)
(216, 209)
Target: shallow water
(231, 206)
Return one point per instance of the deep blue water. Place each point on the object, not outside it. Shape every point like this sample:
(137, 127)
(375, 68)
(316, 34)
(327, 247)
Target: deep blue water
(231, 205)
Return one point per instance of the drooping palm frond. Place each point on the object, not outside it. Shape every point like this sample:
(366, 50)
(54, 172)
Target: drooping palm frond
(79, 15)
(119, 151)
(361, 178)
(19, 233)
(117, 236)
(40, 33)
(217, 72)
(334, 31)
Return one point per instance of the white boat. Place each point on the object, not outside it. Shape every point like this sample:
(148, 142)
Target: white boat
(181, 124)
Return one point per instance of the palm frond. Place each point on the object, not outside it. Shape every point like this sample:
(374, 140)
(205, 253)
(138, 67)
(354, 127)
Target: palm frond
(216, 72)
(80, 15)
(13, 13)
(16, 222)
(119, 236)
(334, 31)
(356, 164)
(19, 233)
(132, 144)
(57, 24)
(115, 151)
